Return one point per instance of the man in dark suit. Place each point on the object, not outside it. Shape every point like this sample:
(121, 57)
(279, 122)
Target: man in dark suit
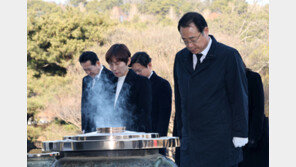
(257, 150)
(211, 98)
(161, 93)
(133, 98)
(97, 92)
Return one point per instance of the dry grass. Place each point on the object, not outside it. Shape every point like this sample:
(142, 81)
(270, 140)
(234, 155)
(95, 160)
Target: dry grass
(67, 103)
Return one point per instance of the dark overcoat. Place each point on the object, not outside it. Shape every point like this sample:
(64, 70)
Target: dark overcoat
(161, 104)
(135, 101)
(257, 150)
(94, 96)
(211, 106)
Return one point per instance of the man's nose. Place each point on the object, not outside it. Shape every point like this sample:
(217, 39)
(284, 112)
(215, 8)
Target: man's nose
(190, 45)
(113, 68)
(87, 72)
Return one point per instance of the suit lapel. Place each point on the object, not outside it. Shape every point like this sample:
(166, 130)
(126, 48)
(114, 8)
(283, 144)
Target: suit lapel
(187, 61)
(153, 78)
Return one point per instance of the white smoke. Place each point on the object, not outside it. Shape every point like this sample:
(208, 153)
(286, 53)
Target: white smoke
(101, 105)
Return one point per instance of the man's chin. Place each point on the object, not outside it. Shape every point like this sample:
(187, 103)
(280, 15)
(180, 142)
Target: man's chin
(116, 74)
(194, 51)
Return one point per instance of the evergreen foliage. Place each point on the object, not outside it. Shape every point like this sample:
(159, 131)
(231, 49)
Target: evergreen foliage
(55, 36)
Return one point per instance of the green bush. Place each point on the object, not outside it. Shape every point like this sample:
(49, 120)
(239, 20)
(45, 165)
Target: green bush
(54, 38)
(33, 133)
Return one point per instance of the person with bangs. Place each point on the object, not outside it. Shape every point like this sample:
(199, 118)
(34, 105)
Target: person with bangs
(133, 96)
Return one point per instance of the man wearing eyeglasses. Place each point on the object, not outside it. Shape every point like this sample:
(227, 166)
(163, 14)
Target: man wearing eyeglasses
(211, 98)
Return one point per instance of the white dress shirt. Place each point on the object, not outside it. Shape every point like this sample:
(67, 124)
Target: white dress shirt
(118, 87)
(204, 54)
(97, 77)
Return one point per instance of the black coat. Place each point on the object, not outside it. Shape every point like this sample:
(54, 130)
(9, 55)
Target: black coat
(257, 150)
(211, 106)
(134, 102)
(161, 104)
(96, 99)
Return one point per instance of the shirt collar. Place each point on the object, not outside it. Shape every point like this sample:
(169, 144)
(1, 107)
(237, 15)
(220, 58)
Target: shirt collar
(150, 75)
(99, 74)
(206, 50)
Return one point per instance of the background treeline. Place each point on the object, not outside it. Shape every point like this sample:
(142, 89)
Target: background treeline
(57, 34)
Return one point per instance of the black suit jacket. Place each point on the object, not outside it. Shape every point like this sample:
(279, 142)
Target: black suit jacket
(161, 104)
(257, 150)
(211, 106)
(134, 103)
(96, 100)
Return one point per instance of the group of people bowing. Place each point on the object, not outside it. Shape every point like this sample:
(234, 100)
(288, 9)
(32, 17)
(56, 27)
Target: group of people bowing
(219, 102)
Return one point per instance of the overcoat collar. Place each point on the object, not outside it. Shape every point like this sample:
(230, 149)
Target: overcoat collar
(187, 59)
(154, 76)
(130, 76)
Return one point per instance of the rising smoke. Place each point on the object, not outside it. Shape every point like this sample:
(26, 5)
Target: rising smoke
(101, 104)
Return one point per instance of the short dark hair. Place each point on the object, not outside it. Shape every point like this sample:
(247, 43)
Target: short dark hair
(88, 55)
(193, 17)
(119, 51)
(142, 58)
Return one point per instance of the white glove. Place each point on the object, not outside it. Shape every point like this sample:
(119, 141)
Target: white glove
(239, 141)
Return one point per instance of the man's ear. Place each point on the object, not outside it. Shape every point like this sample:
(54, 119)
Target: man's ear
(98, 63)
(206, 31)
(149, 65)
(129, 61)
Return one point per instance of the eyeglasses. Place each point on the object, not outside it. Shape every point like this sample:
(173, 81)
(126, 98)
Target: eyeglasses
(191, 40)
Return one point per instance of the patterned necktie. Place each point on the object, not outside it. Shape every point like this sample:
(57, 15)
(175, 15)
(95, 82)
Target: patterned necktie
(198, 56)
